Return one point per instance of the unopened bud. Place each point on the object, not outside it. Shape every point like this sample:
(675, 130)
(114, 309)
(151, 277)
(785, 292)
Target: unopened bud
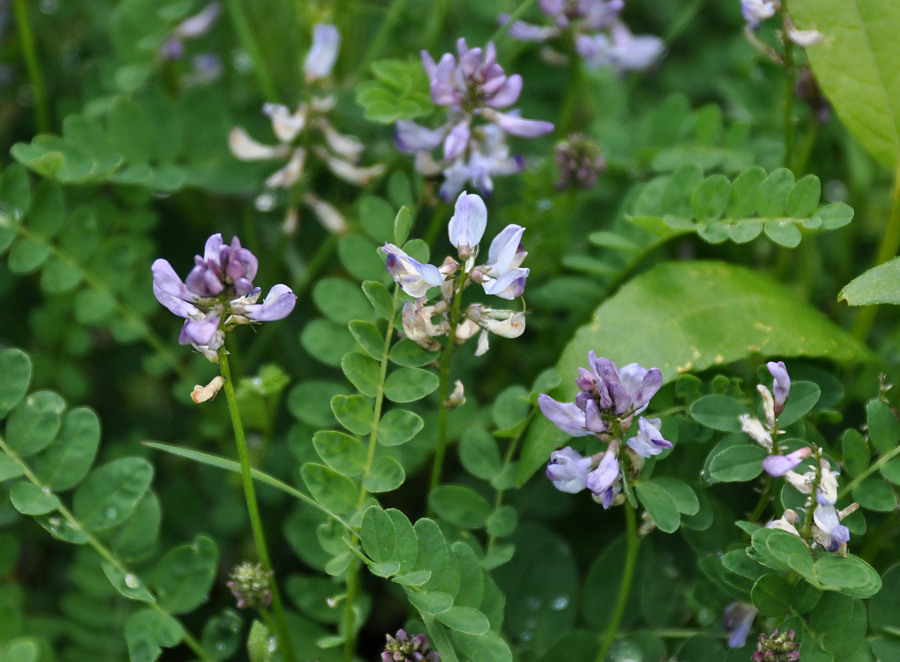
(203, 393)
(457, 398)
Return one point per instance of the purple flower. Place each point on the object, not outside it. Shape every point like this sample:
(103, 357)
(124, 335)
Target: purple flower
(414, 277)
(467, 224)
(218, 293)
(648, 441)
(829, 533)
(604, 480)
(779, 465)
(737, 619)
(568, 470)
(477, 80)
(567, 416)
(756, 11)
(781, 386)
(323, 53)
(621, 50)
(501, 275)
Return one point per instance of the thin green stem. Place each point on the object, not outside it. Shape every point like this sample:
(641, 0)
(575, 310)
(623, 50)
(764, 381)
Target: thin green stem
(35, 75)
(252, 506)
(503, 29)
(790, 78)
(353, 570)
(507, 458)
(249, 44)
(634, 544)
(444, 388)
(574, 92)
(384, 32)
(890, 242)
(104, 553)
(874, 467)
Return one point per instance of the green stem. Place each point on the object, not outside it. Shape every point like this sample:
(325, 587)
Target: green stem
(880, 462)
(29, 53)
(384, 32)
(890, 242)
(574, 92)
(631, 555)
(790, 77)
(252, 506)
(249, 44)
(353, 570)
(507, 458)
(811, 507)
(444, 388)
(104, 553)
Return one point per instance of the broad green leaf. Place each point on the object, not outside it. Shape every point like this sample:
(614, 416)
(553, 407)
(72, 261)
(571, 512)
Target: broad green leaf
(354, 412)
(856, 453)
(710, 198)
(479, 453)
(34, 422)
(858, 37)
(772, 195)
(341, 301)
(460, 505)
(804, 197)
(743, 192)
(66, 461)
(409, 354)
(771, 595)
(311, 402)
(737, 463)
(472, 578)
(434, 554)
(110, 493)
(488, 647)
(15, 366)
(385, 475)
(326, 341)
(369, 338)
(719, 412)
(29, 499)
(402, 224)
(127, 583)
(147, 631)
(784, 233)
(502, 521)
(676, 198)
(661, 507)
(409, 384)
(690, 316)
(376, 216)
(331, 489)
(363, 372)
(464, 619)
(380, 299)
(884, 428)
(880, 284)
(803, 397)
(47, 213)
(884, 608)
(510, 407)
(875, 494)
(407, 544)
(378, 535)
(682, 494)
(398, 426)
(183, 577)
(360, 258)
(22, 649)
(9, 468)
(433, 602)
(341, 452)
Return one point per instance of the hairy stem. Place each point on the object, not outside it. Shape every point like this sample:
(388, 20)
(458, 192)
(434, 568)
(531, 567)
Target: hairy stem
(252, 506)
(631, 555)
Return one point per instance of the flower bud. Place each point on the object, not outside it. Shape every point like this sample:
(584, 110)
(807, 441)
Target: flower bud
(203, 393)
(249, 584)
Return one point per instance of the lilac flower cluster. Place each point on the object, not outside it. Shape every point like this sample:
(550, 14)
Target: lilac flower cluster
(403, 648)
(306, 131)
(600, 37)
(218, 294)
(826, 529)
(605, 407)
(472, 87)
(502, 276)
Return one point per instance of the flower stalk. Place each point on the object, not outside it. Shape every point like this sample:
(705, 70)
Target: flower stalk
(631, 555)
(256, 526)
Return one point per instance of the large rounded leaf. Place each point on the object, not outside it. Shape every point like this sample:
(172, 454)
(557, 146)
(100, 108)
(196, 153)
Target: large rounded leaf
(857, 64)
